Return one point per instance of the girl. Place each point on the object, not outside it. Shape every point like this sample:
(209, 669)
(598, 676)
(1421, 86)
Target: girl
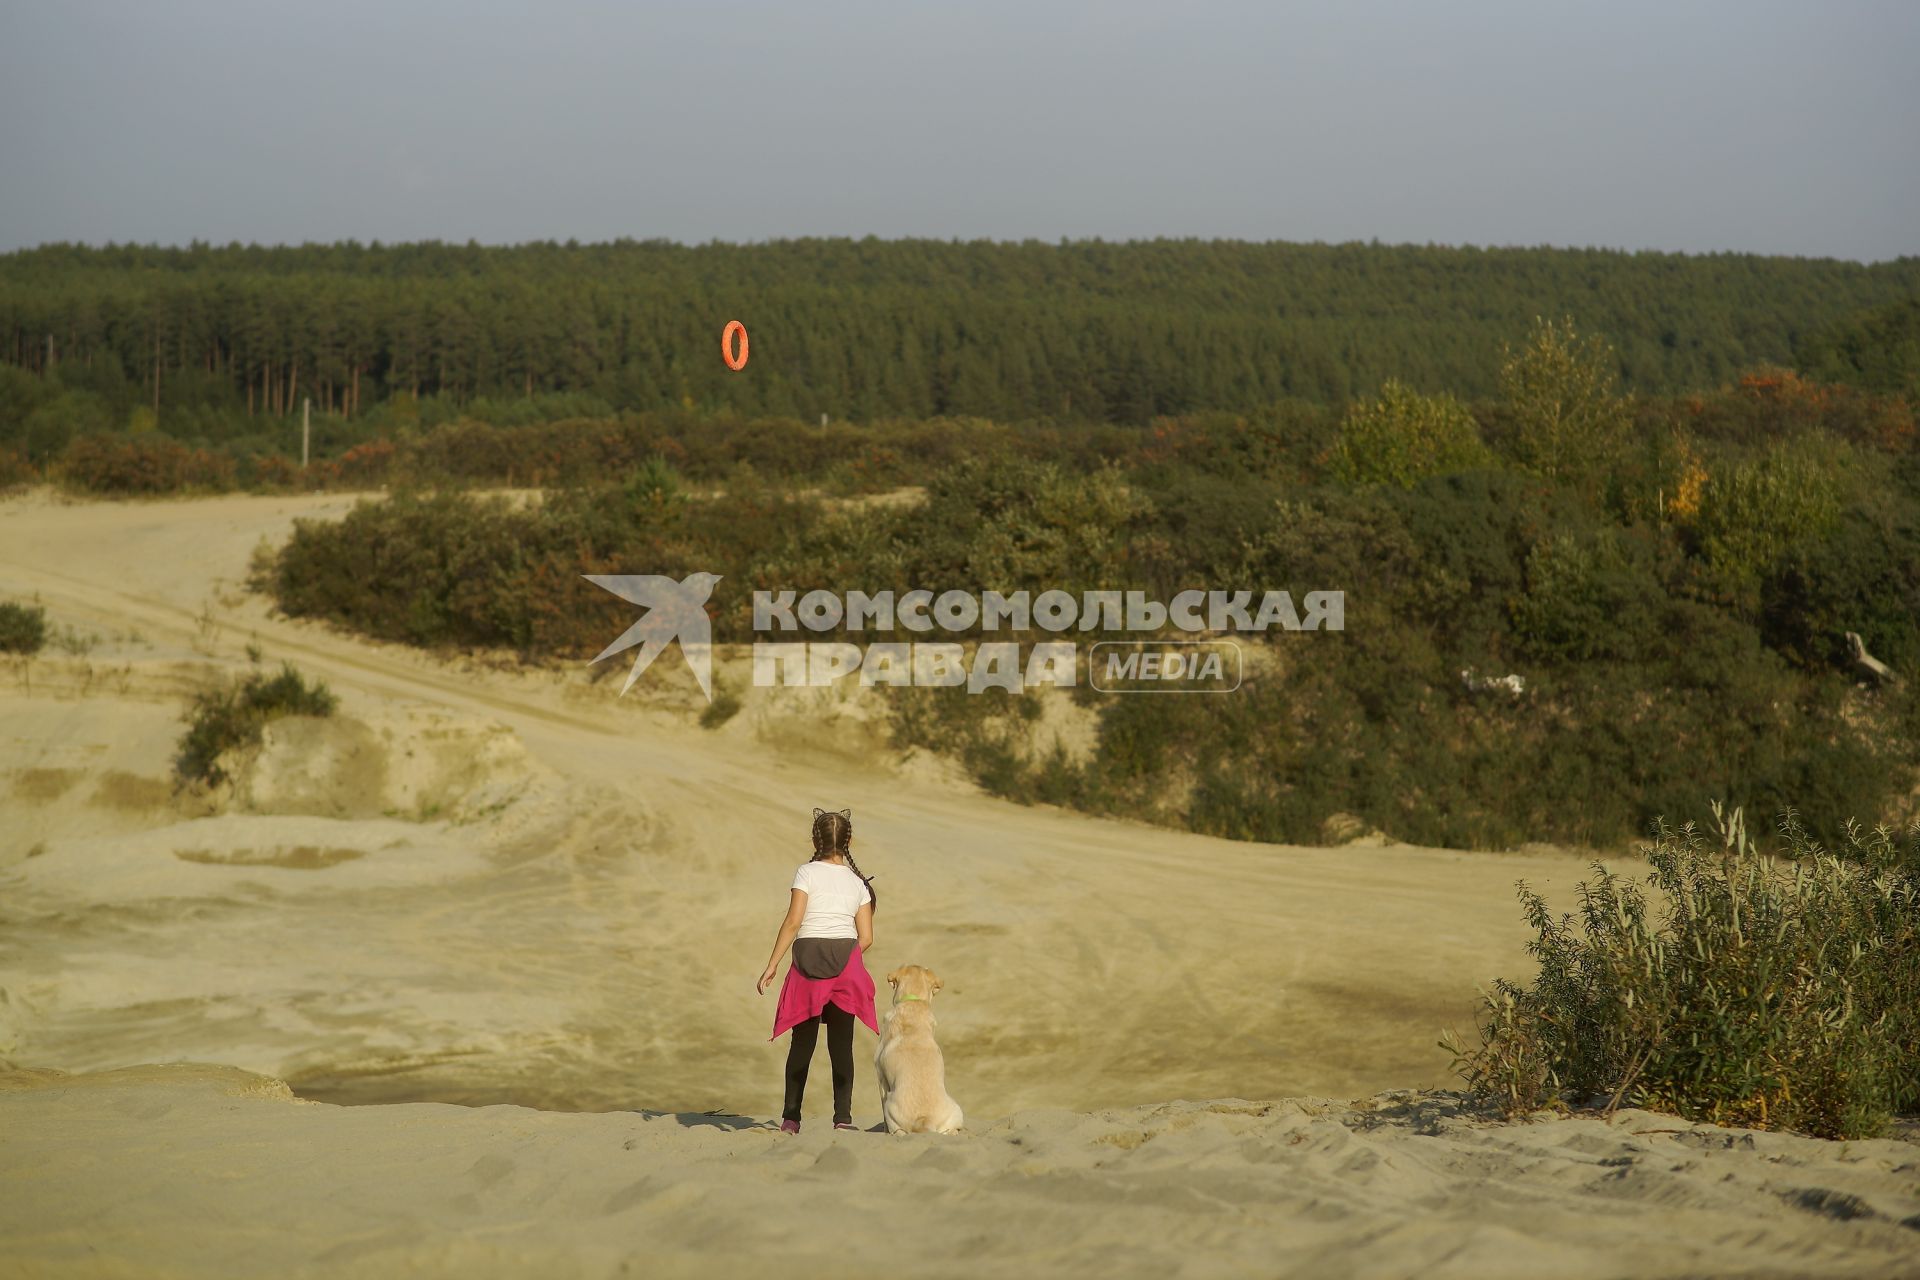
(829, 925)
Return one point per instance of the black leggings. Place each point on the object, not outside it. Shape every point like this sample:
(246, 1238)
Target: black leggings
(839, 1050)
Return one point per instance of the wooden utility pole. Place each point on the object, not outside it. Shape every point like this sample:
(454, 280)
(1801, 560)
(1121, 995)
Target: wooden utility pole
(306, 428)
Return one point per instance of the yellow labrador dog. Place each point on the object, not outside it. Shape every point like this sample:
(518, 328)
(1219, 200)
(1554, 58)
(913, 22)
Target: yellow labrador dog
(913, 1077)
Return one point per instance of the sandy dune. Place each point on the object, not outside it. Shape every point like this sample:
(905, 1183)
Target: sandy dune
(478, 884)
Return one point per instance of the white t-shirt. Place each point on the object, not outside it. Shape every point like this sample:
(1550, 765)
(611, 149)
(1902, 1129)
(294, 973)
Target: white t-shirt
(834, 893)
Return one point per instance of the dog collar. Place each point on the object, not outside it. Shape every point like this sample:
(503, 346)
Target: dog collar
(913, 997)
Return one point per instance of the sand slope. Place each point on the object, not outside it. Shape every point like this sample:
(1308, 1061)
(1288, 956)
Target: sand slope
(209, 1172)
(485, 885)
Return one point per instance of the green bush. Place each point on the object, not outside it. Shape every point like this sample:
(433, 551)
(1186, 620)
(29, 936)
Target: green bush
(231, 716)
(1011, 524)
(1403, 436)
(65, 417)
(21, 393)
(437, 570)
(1288, 440)
(1207, 527)
(1863, 575)
(23, 627)
(1587, 598)
(1472, 533)
(1558, 390)
(653, 485)
(1754, 513)
(1764, 993)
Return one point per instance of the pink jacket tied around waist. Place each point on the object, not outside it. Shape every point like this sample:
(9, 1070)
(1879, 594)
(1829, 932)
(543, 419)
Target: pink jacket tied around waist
(802, 997)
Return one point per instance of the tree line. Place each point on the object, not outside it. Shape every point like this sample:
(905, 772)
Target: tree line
(864, 329)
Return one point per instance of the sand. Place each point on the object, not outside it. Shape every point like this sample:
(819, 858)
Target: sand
(508, 888)
(210, 1172)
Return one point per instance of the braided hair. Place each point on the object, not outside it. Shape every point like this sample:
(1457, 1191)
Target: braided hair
(833, 835)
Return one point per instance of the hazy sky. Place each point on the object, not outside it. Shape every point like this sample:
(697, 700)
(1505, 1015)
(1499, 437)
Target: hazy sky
(1749, 125)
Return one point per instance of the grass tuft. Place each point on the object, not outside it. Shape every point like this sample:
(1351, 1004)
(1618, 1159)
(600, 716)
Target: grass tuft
(23, 627)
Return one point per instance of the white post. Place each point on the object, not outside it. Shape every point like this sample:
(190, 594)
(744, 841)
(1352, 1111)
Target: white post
(306, 428)
(823, 419)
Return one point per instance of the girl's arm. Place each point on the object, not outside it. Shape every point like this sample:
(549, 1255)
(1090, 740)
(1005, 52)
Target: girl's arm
(796, 911)
(863, 925)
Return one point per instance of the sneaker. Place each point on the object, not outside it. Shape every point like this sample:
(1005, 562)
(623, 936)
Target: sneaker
(842, 1124)
(789, 1126)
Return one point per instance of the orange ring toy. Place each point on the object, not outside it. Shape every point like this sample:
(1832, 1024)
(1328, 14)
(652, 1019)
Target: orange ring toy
(726, 345)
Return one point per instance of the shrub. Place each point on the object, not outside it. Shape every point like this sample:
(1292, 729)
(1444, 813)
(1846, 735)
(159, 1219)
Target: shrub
(1754, 513)
(16, 469)
(1282, 441)
(445, 569)
(1863, 575)
(1586, 598)
(546, 406)
(143, 464)
(1567, 422)
(65, 416)
(227, 717)
(1403, 436)
(653, 485)
(363, 466)
(23, 627)
(1767, 404)
(1769, 993)
(1010, 524)
(1210, 528)
(272, 471)
(21, 393)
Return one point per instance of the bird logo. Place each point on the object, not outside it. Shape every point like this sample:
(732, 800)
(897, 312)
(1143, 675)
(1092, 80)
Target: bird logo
(675, 611)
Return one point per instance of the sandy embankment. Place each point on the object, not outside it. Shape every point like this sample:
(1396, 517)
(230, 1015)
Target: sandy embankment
(484, 885)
